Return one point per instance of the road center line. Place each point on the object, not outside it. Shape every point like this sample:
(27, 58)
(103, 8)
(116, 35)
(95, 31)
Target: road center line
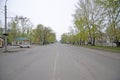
(55, 63)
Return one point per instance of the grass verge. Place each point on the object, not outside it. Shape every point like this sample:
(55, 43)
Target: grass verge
(106, 48)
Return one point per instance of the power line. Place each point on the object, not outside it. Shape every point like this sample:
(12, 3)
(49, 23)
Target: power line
(1, 9)
(9, 11)
(2, 12)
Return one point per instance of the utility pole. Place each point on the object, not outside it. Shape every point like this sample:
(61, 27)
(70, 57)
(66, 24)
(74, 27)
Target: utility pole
(5, 27)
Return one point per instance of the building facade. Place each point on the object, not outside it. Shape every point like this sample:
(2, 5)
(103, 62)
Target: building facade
(1, 42)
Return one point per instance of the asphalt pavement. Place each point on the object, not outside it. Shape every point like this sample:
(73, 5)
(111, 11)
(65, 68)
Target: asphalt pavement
(60, 62)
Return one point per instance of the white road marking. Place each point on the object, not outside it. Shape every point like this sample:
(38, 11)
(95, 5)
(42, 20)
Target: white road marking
(55, 63)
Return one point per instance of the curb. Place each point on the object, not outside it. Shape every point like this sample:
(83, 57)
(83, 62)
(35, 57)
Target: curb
(10, 49)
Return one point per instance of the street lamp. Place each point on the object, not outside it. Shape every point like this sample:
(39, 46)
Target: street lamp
(5, 34)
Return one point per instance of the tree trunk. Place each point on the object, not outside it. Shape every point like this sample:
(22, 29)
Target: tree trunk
(117, 43)
(93, 41)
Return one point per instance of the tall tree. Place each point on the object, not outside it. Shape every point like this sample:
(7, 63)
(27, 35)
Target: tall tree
(14, 30)
(1, 29)
(19, 27)
(24, 24)
(112, 12)
(87, 17)
(64, 38)
(43, 35)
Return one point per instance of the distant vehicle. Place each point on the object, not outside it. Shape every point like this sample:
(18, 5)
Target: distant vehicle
(25, 45)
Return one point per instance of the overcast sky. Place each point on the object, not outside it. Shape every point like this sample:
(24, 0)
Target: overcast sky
(56, 14)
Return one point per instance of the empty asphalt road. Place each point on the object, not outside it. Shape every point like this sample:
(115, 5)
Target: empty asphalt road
(60, 62)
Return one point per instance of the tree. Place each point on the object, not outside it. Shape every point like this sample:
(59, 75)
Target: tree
(112, 12)
(82, 33)
(1, 29)
(19, 28)
(43, 35)
(39, 33)
(52, 38)
(64, 38)
(14, 30)
(86, 19)
(25, 24)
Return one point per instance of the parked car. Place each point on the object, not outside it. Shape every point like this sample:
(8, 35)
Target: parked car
(25, 46)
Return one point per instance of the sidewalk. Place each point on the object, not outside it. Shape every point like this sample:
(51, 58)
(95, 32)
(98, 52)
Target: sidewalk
(9, 48)
(2, 49)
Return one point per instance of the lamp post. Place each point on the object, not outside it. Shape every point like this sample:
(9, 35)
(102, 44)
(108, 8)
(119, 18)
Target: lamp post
(5, 34)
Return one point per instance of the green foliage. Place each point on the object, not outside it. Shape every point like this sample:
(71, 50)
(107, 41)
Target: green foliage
(22, 27)
(112, 8)
(43, 35)
(19, 27)
(86, 18)
(52, 38)
(64, 38)
(95, 21)
(1, 31)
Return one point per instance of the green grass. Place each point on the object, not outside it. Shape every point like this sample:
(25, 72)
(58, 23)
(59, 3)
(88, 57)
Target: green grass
(107, 48)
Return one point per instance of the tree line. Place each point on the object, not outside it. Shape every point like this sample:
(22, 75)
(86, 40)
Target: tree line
(23, 27)
(95, 21)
